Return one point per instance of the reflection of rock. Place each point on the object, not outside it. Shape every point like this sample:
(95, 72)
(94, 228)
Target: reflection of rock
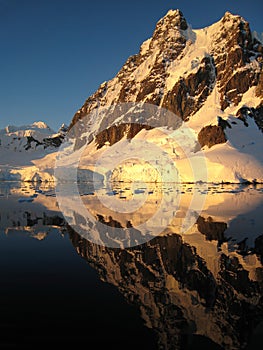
(259, 247)
(175, 291)
(46, 220)
(212, 230)
(28, 216)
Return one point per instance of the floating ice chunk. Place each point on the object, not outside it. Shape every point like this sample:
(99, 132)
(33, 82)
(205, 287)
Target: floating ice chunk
(25, 199)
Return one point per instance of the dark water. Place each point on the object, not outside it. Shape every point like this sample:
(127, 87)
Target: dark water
(202, 288)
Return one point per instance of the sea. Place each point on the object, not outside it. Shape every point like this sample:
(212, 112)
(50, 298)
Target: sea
(134, 266)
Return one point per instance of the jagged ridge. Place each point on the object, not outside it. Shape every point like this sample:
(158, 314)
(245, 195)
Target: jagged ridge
(232, 60)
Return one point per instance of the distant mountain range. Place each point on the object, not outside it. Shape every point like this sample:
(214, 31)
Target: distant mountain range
(211, 79)
(22, 146)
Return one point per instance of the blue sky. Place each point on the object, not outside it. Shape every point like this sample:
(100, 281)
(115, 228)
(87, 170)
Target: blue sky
(55, 53)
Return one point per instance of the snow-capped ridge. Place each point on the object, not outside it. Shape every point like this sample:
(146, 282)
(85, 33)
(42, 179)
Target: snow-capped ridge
(38, 126)
(172, 15)
(36, 138)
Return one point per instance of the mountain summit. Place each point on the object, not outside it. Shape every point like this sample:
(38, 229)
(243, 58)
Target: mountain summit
(179, 68)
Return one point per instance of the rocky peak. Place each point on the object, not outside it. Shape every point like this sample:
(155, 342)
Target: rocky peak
(230, 17)
(174, 19)
(237, 56)
(143, 75)
(178, 68)
(170, 36)
(233, 32)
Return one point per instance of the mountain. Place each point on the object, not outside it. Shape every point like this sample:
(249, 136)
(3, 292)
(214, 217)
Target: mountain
(179, 68)
(196, 94)
(210, 78)
(30, 137)
(21, 146)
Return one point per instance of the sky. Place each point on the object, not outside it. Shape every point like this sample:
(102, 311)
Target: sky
(56, 53)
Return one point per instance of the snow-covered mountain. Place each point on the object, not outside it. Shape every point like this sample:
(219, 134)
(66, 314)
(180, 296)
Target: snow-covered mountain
(21, 146)
(210, 79)
(28, 137)
(179, 68)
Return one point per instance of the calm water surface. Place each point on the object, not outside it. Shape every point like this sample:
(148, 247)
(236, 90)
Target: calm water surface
(200, 288)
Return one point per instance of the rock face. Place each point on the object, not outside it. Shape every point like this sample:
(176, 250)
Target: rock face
(167, 44)
(235, 60)
(209, 79)
(211, 135)
(188, 93)
(172, 71)
(115, 133)
(257, 113)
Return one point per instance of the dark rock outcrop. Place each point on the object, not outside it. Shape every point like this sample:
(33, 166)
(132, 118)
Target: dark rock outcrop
(181, 99)
(211, 135)
(55, 141)
(223, 123)
(115, 133)
(256, 113)
(30, 140)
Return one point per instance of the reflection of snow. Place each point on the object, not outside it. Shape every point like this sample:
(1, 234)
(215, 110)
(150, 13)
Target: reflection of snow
(239, 207)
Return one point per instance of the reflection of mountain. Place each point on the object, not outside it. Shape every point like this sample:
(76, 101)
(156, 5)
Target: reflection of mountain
(35, 226)
(177, 293)
(201, 287)
(30, 210)
(229, 213)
